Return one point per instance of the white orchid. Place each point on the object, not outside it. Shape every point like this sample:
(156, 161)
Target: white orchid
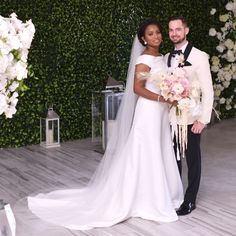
(15, 40)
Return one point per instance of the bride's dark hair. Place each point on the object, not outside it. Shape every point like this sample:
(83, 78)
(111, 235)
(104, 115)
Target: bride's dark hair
(143, 26)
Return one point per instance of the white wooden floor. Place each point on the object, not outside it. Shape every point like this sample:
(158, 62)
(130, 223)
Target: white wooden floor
(33, 168)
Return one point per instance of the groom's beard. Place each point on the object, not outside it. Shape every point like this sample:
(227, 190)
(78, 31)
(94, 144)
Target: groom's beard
(178, 41)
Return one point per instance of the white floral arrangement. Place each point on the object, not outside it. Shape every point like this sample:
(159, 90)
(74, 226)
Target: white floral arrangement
(15, 41)
(223, 65)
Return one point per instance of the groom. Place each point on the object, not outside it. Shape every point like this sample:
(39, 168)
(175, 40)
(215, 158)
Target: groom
(197, 67)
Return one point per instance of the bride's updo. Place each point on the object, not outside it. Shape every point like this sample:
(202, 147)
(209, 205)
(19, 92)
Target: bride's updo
(143, 26)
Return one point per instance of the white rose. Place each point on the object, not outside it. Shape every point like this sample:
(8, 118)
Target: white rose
(233, 25)
(224, 18)
(214, 68)
(229, 6)
(228, 24)
(227, 67)
(217, 92)
(212, 32)
(222, 100)
(219, 36)
(221, 78)
(235, 47)
(228, 100)
(233, 66)
(230, 56)
(220, 72)
(228, 107)
(223, 29)
(221, 87)
(220, 48)
(226, 84)
(213, 11)
(229, 44)
(215, 60)
(228, 76)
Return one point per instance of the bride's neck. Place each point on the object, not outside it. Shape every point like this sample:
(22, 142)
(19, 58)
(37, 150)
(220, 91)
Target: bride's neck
(151, 51)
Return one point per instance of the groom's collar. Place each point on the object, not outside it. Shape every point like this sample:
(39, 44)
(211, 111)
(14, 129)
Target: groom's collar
(186, 49)
(183, 47)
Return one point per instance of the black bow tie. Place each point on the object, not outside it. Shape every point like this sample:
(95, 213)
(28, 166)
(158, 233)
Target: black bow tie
(178, 52)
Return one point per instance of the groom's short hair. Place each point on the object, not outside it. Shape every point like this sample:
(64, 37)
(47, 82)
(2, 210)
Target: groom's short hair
(184, 21)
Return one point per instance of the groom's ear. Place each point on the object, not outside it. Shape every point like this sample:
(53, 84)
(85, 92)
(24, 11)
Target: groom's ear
(186, 29)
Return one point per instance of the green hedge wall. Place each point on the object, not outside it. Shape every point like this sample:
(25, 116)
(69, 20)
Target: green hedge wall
(77, 42)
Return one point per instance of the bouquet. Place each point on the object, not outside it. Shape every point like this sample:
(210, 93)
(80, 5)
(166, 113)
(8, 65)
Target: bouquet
(175, 86)
(15, 41)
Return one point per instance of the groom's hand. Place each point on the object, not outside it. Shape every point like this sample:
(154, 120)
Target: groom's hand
(197, 127)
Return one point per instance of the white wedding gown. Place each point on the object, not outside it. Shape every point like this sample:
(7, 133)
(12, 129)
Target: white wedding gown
(143, 182)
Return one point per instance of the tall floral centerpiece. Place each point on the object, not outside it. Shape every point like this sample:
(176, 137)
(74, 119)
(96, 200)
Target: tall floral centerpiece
(223, 63)
(15, 40)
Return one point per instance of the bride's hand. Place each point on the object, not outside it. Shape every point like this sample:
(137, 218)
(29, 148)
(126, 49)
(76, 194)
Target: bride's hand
(172, 103)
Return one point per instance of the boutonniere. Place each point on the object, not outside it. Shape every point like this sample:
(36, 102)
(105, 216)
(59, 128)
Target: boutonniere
(181, 60)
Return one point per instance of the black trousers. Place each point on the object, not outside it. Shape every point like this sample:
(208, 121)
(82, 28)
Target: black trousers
(193, 158)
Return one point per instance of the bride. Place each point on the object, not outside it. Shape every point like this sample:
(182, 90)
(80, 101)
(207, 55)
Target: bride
(138, 175)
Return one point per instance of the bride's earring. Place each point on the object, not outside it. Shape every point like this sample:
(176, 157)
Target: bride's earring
(145, 43)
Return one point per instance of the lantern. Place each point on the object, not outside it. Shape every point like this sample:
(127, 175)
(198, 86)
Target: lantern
(50, 130)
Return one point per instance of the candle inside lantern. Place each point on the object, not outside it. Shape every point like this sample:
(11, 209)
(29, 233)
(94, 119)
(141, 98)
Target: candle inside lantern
(50, 136)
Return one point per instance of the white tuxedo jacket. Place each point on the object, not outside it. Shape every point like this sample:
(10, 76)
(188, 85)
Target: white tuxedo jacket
(199, 74)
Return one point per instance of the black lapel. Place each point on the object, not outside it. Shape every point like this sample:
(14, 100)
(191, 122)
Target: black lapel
(186, 54)
(169, 60)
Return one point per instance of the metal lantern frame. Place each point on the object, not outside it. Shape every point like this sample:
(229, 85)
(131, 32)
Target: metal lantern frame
(50, 130)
